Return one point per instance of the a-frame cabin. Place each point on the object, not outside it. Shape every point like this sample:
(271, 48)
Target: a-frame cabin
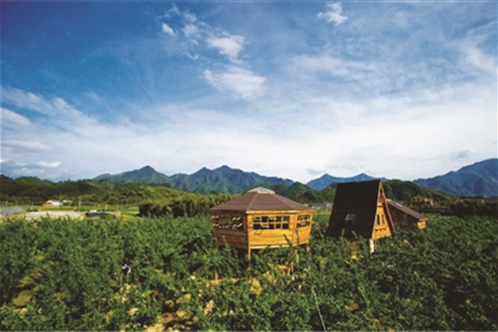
(361, 209)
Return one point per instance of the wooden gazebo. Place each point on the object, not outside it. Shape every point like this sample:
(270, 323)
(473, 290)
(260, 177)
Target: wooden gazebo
(260, 219)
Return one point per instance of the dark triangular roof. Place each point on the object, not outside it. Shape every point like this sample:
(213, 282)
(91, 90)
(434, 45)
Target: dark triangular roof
(359, 201)
(260, 199)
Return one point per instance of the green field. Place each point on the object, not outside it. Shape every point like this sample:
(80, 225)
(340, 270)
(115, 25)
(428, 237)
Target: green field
(66, 274)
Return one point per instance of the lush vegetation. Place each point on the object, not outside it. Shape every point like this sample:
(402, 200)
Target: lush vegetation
(66, 275)
(404, 191)
(29, 190)
(185, 205)
(473, 207)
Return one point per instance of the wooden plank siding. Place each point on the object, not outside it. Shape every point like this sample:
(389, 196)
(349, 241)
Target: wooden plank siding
(250, 238)
(261, 238)
(232, 238)
(268, 219)
(381, 227)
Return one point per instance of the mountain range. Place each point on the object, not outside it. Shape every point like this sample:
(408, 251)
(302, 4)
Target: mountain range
(326, 180)
(479, 179)
(223, 179)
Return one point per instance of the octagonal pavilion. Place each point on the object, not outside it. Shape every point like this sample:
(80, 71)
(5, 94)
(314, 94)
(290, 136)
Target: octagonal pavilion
(259, 219)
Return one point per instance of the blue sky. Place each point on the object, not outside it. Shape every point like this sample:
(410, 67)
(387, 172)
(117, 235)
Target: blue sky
(400, 89)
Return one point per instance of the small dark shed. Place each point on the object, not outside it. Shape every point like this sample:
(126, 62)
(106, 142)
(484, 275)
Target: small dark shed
(404, 217)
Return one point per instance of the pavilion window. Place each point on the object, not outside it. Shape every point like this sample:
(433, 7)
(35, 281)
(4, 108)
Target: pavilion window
(271, 222)
(228, 222)
(303, 220)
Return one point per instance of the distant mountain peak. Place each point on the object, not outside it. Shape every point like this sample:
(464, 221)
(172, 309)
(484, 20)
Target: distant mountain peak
(326, 180)
(478, 179)
(145, 174)
(147, 168)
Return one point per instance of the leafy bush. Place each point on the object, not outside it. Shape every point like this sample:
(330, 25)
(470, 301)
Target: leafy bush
(473, 207)
(185, 205)
(66, 275)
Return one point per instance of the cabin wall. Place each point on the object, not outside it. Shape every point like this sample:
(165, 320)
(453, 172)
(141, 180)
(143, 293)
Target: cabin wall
(381, 226)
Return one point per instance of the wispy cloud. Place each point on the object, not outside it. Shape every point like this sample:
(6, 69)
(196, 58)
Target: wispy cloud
(228, 45)
(398, 81)
(12, 120)
(243, 83)
(60, 112)
(93, 96)
(25, 146)
(38, 169)
(167, 29)
(333, 14)
(44, 164)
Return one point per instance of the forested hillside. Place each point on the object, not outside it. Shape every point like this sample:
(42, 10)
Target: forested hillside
(35, 191)
(146, 175)
(479, 179)
(148, 186)
(67, 275)
(222, 179)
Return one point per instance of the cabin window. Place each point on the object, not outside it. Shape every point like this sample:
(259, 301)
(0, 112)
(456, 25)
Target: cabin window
(303, 220)
(271, 222)
(235, 223)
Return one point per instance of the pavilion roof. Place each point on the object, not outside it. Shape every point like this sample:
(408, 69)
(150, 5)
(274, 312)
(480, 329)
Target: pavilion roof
(260, 199)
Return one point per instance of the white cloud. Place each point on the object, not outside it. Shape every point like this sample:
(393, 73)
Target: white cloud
(174, 11)
(349, 102)
(189, 17)
(474, 57)
(167, 29)
(60, 113)
(243, 83)
(313, 65)
(93, 96)
(190, 30)
(12, 120)
(26, 146)
(44, 164)
(333, 14)
(228, 45)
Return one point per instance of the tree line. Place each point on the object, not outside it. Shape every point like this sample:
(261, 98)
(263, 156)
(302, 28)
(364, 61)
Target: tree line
(28, 190)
